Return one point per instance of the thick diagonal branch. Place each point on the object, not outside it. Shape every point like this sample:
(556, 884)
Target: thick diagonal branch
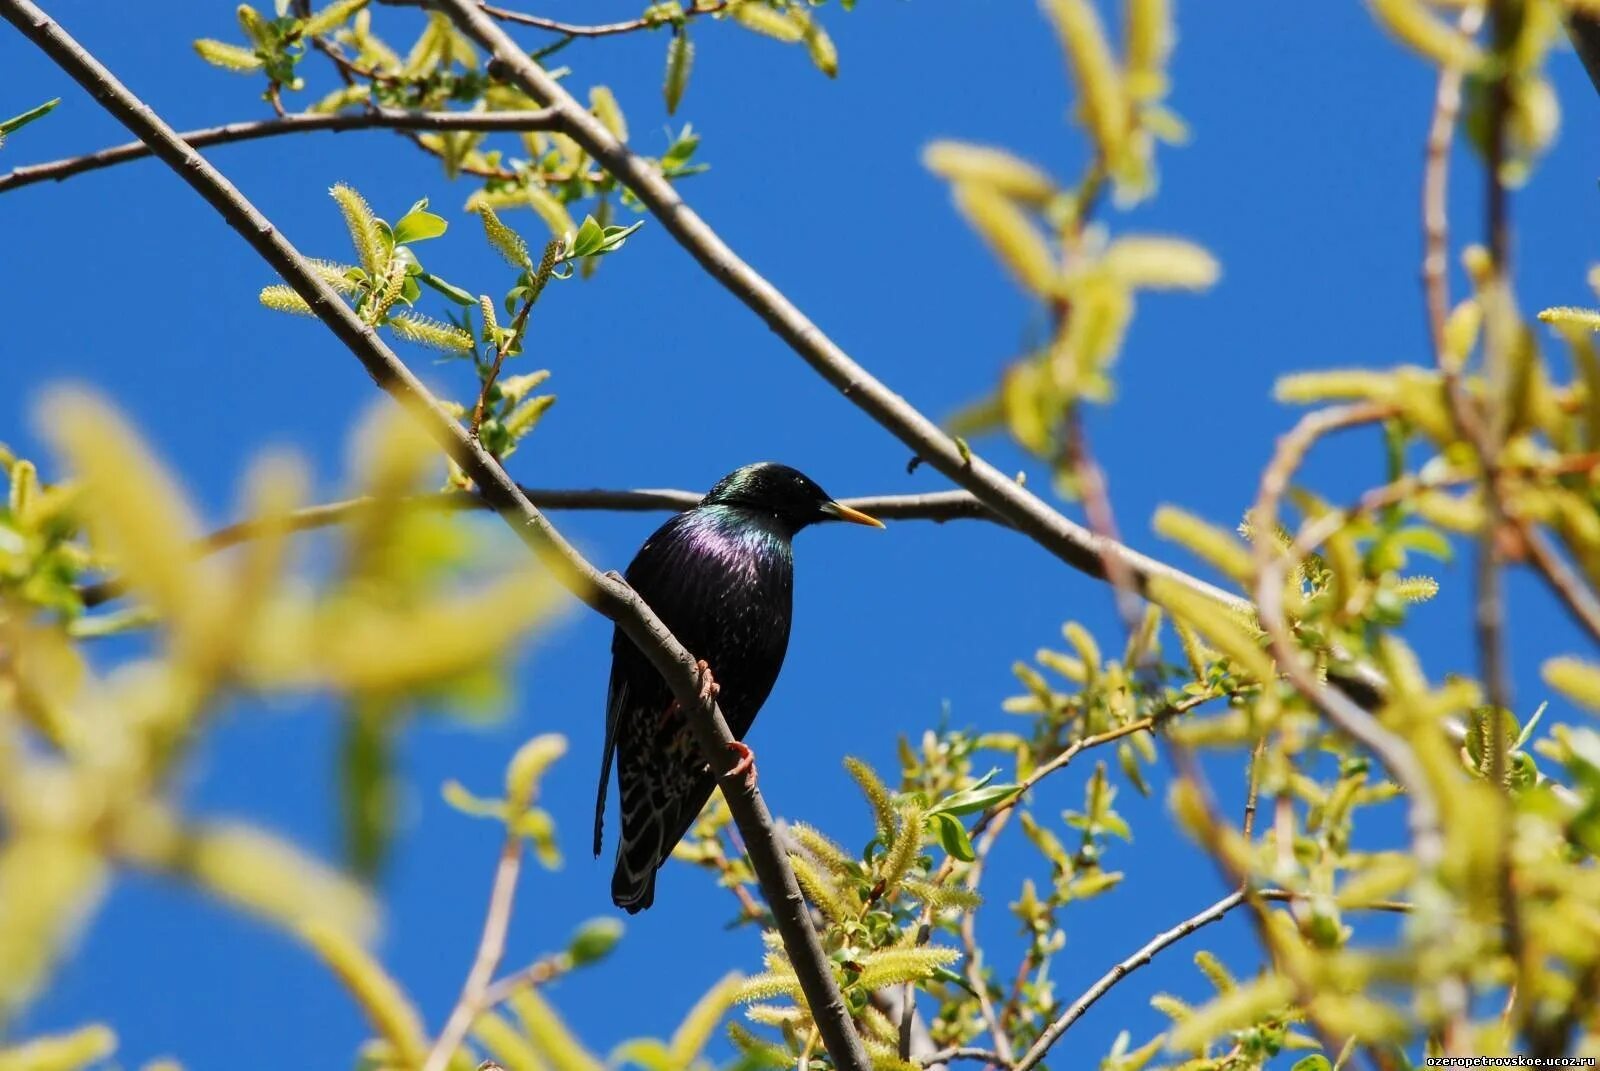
(383, 118)
(606, 593)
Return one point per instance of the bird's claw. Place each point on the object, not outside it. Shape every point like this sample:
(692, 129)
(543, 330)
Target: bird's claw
(708, 684)
(746, 764)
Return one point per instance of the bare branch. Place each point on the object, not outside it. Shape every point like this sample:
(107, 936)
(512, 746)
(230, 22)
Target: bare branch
(608, 29)
(386, 119)
(491, 950)
(1117, 973)
(939, 506)
(607, 593)
(1427, 839)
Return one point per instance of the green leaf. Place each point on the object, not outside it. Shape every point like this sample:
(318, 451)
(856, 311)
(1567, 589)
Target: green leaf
(953, 835)
(594, 940)
(589, 238)
(368, 787)
(613, 237)
(454, 293)
(17, 122)
(1429, 541)
(976, 797)
(418, 225)
(680, 61)
(1314, 1062)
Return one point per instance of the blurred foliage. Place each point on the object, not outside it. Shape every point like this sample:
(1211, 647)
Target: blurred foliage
(1373, 947)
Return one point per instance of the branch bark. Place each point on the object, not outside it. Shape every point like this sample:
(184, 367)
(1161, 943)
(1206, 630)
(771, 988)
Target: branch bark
(608, 29)
(939, 506)
(1117, 973)
(384, 119)
(607, 593)
(1021, 508)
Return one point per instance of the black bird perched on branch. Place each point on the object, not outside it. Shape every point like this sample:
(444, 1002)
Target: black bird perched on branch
(721, 577)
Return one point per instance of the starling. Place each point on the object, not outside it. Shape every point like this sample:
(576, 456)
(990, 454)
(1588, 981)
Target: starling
(721, 577)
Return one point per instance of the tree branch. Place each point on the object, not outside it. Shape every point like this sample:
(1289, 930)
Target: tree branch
(1074, 1012)
(940, 506)
(607, 593)
(491, 950)
(1024, 510)
(388, 119)
(1427, 838)
(603, 30)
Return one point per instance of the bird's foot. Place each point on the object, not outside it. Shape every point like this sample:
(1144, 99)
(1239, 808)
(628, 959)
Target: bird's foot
(746, 764)
(708, 684)
(708, 690)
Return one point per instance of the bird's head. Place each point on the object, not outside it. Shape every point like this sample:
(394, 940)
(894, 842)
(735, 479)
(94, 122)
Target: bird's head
(782, 492)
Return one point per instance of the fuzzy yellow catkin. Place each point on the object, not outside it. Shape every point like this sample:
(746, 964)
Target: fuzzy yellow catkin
(1107, 109)
(877, 795)
(550, 1036)
(382, 1001)
(334, 274)
(680, 62)
(368, 648)
(428, 50)
(552, 211)
(426, 331)
(1570, 315)
(1013, 237)
(363, 227)
(891, 966)
(1219, 625)
(1574, 678)
(228, 57)
(529, 764)
(507, 242)
(757, 16)
(1150, 35)
(340, 99)
(525, 417)
(331, 17)
(1157, 263)
(505, 1043)
(1215, 545)
(274, 879)
(1425, 33)
(135, 511)
(81, 1048)
(823, 52)
(692, 1035)
(767, 985)
(825, 851)
(903, 849)
(282, 298)
(603, 103)
(1237, 1008)
(959, 161)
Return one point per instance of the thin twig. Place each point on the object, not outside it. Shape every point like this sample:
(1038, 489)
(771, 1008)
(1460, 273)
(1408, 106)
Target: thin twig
(1577, 596)
(1272, 563)
(491, 950)
(1117, 973)
(938, 506)
(383, 118)
(607, 593)
(1435, 196)
(964, 1052)
(608, 29)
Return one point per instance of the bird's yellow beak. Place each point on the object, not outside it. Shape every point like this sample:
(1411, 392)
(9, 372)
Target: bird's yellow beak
(854, 516)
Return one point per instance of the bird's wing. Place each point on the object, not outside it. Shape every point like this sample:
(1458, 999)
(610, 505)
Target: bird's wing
(616, 704)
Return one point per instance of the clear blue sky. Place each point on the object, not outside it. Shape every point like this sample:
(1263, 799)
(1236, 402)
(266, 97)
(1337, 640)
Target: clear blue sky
(1303, 178)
